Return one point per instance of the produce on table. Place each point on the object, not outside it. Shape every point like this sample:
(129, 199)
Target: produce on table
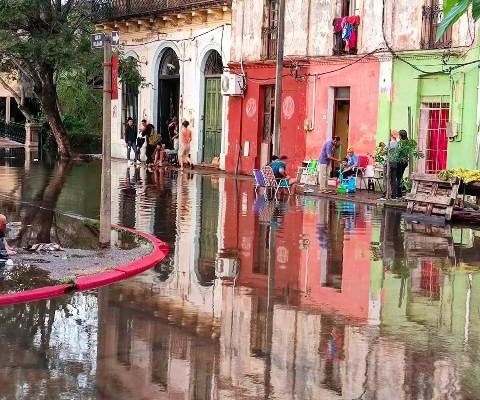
(466, 175)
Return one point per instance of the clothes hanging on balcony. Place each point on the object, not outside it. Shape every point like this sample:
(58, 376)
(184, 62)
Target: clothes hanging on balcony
(345, 31)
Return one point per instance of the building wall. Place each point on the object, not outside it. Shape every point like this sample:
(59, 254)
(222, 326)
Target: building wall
(192, 43)
(308, 27)
(411, 87)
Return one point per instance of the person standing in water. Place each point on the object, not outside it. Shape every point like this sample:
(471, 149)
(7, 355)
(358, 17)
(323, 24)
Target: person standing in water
(185, 140)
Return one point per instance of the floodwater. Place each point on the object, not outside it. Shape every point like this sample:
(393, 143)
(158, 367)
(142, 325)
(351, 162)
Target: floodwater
(305, 299)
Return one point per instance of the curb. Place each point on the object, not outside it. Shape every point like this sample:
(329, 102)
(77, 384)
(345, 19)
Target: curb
(88, 282)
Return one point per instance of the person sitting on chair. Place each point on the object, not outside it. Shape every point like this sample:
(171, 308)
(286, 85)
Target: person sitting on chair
(352, 159)
(279, 170)
(345, 169)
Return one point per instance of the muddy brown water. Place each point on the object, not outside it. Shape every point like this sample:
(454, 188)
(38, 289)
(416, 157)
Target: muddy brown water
(305, 299)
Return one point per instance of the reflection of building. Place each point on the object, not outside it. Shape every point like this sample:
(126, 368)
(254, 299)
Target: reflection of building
(181, 50)
(318, 258)
(313, 313)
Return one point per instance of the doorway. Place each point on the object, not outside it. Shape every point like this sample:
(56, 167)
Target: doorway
(169, 93)
(212, 122)
(266, 140)
(341, 118)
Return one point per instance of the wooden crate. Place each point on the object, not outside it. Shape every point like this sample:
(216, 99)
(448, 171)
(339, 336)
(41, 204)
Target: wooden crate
(432, 196)
(429, 242)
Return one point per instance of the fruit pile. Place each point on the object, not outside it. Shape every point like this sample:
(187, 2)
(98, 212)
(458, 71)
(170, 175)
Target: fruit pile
(466, 175)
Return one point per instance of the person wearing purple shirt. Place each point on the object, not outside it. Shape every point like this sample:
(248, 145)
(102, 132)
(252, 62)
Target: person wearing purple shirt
(327, 155)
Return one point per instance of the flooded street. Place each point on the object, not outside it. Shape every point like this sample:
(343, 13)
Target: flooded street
(302, 299)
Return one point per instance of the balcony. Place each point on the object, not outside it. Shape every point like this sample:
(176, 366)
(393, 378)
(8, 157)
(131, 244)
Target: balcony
(269, 43)
(345, 35)
(108, 10)
(432, 15)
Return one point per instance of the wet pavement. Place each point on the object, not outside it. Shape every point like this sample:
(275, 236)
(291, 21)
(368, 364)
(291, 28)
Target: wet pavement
(305, 299)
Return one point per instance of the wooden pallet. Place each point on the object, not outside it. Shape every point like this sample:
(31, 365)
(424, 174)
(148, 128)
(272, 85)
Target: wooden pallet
(432, 196)
(429, 242)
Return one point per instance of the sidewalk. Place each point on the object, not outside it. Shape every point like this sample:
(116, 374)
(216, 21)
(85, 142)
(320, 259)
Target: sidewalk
(361, 196)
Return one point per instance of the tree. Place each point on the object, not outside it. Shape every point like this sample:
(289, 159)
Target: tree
(453, 10)
(40, 40)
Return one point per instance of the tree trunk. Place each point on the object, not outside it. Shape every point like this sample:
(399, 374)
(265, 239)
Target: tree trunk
(48, 99)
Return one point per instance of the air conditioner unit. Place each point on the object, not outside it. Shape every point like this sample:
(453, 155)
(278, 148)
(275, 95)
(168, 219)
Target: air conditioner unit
(232, 85)
(227, 268)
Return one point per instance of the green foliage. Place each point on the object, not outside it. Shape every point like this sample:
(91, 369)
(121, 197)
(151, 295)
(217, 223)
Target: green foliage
(80, 102)
(405, 150)
(453, 10)
(129, 72)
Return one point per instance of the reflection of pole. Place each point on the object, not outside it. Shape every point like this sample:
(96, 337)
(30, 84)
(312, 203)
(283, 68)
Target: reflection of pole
(269, 318)
(106, 190)
(467, 310)
(279, 78)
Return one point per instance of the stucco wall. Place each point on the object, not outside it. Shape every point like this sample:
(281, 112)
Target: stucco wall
(308, 27)
(408, 90)
(192, 55)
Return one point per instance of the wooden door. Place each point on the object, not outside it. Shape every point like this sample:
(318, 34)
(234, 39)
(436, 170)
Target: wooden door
(212, 132)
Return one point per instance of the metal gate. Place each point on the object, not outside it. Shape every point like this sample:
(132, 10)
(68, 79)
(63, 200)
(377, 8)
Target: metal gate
(433, 140)
(212, 133)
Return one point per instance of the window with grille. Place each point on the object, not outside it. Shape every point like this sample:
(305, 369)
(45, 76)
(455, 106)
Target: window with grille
(433, 139)
(269, 30)
(432, 15)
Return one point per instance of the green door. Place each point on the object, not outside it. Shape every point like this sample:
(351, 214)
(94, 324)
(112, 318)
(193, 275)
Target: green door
(208, 241)
(212, 130)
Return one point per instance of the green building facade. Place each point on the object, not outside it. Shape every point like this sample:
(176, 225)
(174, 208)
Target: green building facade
(440, 88)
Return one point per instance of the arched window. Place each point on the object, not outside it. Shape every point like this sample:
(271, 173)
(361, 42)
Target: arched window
(169, 65)
(214, 64)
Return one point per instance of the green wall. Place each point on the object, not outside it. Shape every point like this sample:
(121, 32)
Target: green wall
(458, 87)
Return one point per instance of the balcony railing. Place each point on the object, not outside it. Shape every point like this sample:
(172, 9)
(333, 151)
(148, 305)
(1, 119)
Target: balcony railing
(269, 43)
(432, 15)
(107, 10)
(13, 131)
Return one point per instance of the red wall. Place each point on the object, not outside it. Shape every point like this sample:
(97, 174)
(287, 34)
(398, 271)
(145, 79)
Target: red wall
(249, 127)
(295, 142)
(298, 271)
(363, 80)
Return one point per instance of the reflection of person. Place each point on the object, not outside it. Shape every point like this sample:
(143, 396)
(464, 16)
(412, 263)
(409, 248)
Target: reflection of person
(327, 155)
(185, 140)
(5, 249)
(130, 138)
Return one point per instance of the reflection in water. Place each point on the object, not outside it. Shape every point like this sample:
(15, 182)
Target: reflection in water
(306, 299)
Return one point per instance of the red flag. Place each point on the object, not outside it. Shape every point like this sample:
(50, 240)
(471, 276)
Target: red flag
(115, 77)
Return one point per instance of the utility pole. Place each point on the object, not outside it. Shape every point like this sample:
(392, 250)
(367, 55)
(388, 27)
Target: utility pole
(277, 118)
(106, 188)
